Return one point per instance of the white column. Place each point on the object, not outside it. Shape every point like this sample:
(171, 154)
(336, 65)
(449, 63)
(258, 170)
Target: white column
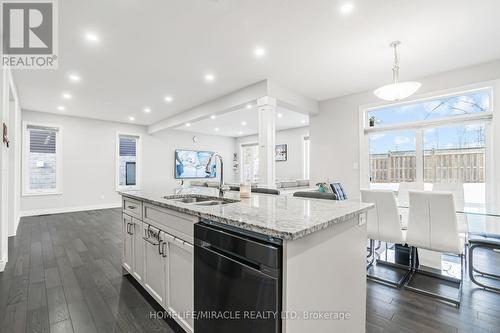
(266, 107)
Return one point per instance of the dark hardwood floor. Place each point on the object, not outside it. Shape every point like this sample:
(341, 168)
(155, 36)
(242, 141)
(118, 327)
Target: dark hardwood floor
(64, 275)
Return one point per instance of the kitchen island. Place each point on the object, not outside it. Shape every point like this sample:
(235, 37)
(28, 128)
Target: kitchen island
(321, 246)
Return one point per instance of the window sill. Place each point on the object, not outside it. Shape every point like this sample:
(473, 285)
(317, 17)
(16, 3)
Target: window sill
(36, 194)
(127, 188)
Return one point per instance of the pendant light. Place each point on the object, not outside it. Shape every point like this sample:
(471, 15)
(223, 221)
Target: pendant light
(398, 90)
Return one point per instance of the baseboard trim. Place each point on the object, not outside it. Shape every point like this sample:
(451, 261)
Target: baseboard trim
(2, 265)
(17, 220)
(47, 211)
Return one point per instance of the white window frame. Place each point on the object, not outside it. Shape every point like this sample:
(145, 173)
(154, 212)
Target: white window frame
(138, 164)
(420, 126)
(26, 191)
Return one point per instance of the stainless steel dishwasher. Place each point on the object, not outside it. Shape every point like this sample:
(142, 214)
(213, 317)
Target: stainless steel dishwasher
(237, 280)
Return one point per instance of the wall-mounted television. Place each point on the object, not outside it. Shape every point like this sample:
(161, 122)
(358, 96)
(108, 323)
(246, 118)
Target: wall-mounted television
(191, 164)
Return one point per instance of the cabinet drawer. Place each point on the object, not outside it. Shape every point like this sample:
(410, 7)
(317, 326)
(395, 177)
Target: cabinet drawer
(177, 224)
(132, 207)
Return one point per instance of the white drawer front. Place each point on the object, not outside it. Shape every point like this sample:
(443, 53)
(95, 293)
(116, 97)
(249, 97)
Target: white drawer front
(178, 224)
(132, 207)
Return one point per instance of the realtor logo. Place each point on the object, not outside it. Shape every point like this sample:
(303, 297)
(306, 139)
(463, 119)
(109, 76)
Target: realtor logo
(29, 31)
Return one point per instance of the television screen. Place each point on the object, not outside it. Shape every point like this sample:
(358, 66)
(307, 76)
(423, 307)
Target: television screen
(192, 164)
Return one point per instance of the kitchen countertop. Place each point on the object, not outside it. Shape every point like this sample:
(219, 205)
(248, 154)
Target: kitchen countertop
(279, 216)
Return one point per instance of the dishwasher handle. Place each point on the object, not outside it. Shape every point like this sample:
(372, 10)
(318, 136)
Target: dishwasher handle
(269, 271)
(238, 245)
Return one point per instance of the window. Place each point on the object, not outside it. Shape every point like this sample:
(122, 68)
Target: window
(42, 159)
(457, 155)
(307, 157)
(250, 162)
(393, 157)
(128, 149)
(427, 143)
(472, 103)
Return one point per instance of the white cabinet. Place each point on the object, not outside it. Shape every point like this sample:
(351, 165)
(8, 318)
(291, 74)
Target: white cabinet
(128, 243)
(133, 260)
(155, 266)
(138, 259)
(180, 282)
(158, 252)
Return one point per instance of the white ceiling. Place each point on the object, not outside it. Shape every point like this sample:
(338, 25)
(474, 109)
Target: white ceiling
(231, 123)
(152, 48)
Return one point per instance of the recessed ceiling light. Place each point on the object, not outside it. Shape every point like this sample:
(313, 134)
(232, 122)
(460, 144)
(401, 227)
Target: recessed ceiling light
(74, 77)
(249, 106)
(147, 109)
(259, 52)
(61, 108)
(240, 132)
(92, 37)
(243, 123)
(303, 121)
(216, 129)
(280, 115)
(131, 118)
(213, 116)
(209, 77)
(346, 8)
(168, 99)
(67, 96)
(188, 124)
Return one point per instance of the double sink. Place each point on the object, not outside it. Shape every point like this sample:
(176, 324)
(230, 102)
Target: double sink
(199, 200)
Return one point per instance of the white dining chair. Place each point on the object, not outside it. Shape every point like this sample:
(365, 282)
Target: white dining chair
(459, 199)
(432, 225)
(405, 188)
(383, 224)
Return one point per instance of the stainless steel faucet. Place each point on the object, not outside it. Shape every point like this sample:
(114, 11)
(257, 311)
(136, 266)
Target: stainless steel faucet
(208, 170)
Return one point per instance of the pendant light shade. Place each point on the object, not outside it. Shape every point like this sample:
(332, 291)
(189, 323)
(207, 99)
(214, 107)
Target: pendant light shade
(397, 90)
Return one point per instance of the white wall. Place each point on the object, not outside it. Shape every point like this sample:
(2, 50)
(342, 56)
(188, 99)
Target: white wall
(15, 146)
(4, 116)
(293, 168)
(9, 163)
(158, 157)
(335, 131)
(89, 149)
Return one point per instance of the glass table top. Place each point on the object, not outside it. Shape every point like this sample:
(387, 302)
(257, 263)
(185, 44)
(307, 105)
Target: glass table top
(479, 210)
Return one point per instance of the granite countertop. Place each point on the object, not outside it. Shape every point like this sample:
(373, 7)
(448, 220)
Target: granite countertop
(280, 216)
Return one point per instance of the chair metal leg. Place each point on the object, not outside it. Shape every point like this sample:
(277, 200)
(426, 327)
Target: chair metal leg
(459, 282)
(465, 255)
(391, 283)
(371, 254)
(473, 270)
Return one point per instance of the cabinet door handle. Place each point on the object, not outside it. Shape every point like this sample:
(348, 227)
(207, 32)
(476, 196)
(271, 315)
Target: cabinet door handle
(131, 207)
(160, 248)
(132, 228)
(164, 252)
(128, 228)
